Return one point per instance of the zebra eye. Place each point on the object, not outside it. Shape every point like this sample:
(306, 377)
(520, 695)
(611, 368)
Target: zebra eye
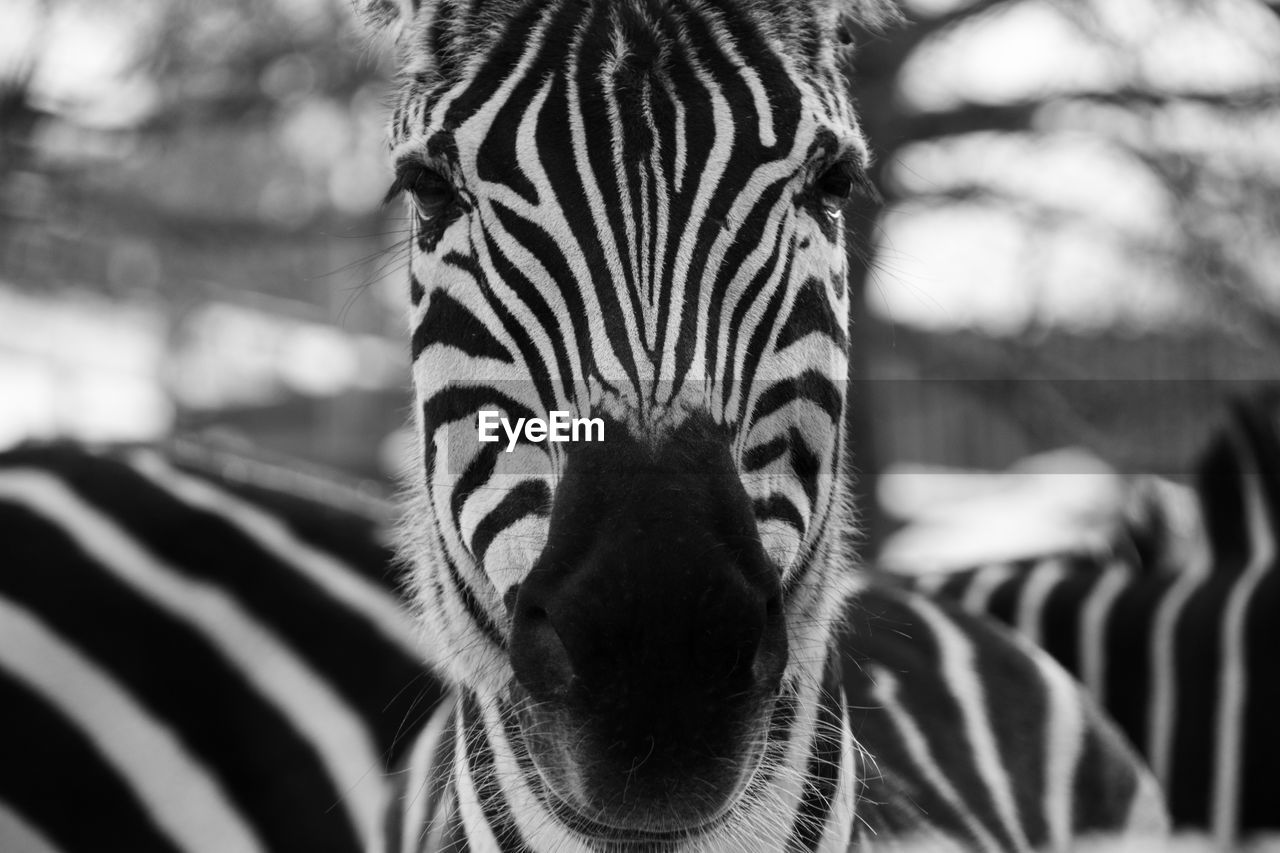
(835, 186)
(429, 192)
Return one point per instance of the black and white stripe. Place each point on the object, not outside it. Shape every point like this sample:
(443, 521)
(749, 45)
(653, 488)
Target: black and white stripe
(611, 220)
(632, 210)
(966, 738)
(191, 661)
(200, 663)
(629, 210)
(1176, 642)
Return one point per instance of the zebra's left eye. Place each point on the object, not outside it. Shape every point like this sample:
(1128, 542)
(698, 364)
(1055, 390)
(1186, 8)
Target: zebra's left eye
(429, 192)
(835, 186)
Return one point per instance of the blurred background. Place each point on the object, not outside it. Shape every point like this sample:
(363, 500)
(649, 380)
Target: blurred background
(1079, 247)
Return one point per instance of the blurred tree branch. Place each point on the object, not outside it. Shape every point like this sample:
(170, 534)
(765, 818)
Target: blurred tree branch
(1021, 116)
(1213, 205)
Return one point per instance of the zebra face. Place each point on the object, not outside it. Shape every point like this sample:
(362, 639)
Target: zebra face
(629, 212)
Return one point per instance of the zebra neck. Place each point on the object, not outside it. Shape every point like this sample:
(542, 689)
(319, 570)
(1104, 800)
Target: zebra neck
(802, 797)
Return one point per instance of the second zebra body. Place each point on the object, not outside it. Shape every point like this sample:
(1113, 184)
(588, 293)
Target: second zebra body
(1173, 631)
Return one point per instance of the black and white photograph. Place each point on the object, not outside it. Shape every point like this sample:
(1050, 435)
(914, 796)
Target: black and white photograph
(639, 426)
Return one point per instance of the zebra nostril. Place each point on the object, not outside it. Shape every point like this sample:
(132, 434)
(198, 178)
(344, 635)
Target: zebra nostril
(509, 598)
(538, 653)
(770, 658)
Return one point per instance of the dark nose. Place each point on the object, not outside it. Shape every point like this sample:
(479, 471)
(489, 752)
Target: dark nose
(653, 615)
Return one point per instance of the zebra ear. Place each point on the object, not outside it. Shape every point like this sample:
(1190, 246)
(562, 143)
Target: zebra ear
(869, 14)
(381, 14)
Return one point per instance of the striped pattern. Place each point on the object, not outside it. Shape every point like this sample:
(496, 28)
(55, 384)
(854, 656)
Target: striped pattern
(942, 758)
(632, 232)
(633, 211)
(1175, 643)
(193, 662)
(980, 739)
(225, 668)
(630, 210)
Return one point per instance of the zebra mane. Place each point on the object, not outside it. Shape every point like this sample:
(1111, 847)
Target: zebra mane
(385, 14)
(870, 14)
(410, 21)
(863, 12)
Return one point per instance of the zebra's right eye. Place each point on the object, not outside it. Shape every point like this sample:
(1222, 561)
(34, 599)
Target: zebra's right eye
(837, 184)
(835, 187)
(429, 192)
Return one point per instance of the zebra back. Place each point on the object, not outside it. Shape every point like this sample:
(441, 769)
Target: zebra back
(976, 739)
(191, 659)
(1175, 642)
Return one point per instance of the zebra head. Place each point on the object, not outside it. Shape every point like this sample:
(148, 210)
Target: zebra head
(631, 213)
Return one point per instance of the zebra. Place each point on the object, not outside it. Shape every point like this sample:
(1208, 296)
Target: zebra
(1171, 629)
(199, 651)
(633, 212)
(214, 647)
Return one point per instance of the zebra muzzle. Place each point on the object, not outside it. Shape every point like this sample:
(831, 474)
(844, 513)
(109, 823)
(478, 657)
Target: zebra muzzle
(649, 639)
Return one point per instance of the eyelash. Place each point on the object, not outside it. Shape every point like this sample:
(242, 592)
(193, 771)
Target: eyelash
(429, 191)
(837, 182)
